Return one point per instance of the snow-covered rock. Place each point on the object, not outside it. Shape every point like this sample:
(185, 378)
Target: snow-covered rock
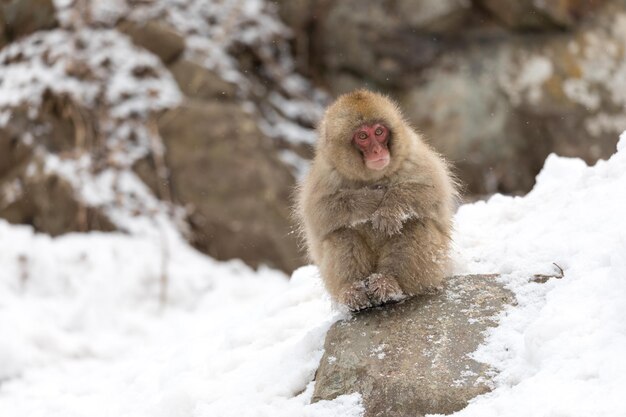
(87, 99)
(414, 358)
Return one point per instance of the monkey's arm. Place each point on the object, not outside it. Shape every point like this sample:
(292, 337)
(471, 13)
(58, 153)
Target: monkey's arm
(344, 208)
(406, 201)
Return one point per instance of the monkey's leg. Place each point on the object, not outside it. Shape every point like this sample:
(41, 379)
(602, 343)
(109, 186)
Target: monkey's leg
(417, 257)
(346, 262)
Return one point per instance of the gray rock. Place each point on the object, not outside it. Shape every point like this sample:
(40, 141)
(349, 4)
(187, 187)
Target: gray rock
(22, 17)
(13, 150)
(496, 86)
(296, 13)
(376, 41)
(229, 174)
(412, 359)
(3, 38)
(157, 37)
(532, 14)
(199, 82)
(379, 42)
(462, 110)
(498, 109)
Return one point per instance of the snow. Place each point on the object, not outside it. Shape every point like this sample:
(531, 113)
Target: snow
(86, 331)
(559, 352)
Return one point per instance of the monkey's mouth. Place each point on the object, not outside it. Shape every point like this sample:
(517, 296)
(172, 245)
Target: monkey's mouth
(377, 164)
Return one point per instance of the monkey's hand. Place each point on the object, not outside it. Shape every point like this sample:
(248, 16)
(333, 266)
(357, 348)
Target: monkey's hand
(389, 219)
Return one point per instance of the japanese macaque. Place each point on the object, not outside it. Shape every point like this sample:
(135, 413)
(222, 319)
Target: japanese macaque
(376, 206)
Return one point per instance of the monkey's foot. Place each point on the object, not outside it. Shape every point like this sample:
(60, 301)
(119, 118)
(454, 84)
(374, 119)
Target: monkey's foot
(383, 289)
(355, 297)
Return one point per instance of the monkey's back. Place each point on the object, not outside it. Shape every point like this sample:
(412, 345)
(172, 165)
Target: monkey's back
(310, 190)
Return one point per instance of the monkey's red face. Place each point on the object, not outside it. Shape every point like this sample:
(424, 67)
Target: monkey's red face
(372, 140)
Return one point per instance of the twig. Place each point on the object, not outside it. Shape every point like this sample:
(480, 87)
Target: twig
(543, 278)
(165, 260)
(156, 149)
(80, 135)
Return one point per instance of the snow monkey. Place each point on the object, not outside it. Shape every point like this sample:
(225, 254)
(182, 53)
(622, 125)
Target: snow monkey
(376, 205)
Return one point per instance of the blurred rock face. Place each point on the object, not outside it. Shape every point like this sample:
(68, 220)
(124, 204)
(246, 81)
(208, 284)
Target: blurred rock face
(21, 17)
(229, 173)
(29, 192)
(494, 85)
(530, 14)
(201, 160)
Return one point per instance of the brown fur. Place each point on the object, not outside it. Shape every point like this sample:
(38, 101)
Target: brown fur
(372, 232)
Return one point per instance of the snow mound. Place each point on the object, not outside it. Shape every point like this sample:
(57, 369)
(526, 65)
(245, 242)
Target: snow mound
(560, 351)
(86, 333)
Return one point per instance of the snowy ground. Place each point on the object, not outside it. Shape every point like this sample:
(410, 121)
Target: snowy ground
(83, 332)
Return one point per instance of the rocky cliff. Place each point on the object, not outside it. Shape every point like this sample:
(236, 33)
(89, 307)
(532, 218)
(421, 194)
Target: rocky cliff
(494, 85)
(143, 116)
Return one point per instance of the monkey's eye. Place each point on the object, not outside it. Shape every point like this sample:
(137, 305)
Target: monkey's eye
(379, 131)
(362, 135)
